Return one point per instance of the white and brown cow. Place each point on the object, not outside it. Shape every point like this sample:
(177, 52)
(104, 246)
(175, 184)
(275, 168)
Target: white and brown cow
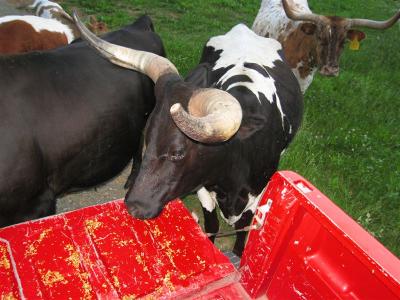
(51, 10)
(19, 34)
(51, 28)
(310, 41)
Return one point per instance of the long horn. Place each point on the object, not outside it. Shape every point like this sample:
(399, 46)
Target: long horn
(214, 116)
(147, 63)
(65, 15)
(295, 16)
(374, 24)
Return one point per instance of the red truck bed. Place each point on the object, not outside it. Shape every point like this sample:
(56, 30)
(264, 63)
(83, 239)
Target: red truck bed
(101, 252)
(306, 248)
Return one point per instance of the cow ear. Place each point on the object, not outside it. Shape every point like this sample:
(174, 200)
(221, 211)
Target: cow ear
(353, 34)
(308, 28)
(250, 125)
(200, 76)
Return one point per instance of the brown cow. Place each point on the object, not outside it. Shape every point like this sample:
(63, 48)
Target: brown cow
(311, 41)
(19, 34)
(51, 28)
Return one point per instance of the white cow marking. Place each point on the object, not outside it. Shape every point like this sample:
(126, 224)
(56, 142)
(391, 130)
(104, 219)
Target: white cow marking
(40, 3)
(306, 81)
(39, 24)
(241, 45)
(251, 205)
(208, 199)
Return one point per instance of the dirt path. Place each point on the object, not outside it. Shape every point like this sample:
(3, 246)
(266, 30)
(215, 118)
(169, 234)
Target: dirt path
(110, 191)
(7, 9)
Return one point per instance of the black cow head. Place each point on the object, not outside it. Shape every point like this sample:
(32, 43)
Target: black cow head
(187, 129)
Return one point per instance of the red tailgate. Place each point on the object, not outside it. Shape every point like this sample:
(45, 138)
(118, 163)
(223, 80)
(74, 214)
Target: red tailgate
(308, 248)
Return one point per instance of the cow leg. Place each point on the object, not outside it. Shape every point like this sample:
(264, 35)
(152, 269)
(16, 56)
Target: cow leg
(211, 223)
(43, 205)
(46, 205)
(208, 201)
(244, 221)
(137, 160)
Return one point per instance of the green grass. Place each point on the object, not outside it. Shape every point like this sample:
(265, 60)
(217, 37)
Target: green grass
(349, 143)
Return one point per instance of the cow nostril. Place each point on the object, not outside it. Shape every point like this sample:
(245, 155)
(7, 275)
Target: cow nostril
(330, 70)
(132, 209)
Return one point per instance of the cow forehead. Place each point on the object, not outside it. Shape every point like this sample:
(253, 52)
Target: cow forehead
(241, 43)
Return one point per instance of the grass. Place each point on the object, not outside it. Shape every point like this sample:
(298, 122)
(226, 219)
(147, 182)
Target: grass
(349, 143)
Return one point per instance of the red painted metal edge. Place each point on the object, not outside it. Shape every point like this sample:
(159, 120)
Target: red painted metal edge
(308, 248)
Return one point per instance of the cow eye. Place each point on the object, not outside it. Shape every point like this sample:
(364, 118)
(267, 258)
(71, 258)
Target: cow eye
(176, 155)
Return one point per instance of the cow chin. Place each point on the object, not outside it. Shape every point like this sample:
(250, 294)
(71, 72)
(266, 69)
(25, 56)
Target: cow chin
(329, 71)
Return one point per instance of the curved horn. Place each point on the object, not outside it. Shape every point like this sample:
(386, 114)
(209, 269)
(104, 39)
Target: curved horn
(374, 24)
(214, 116)
(147, 63)
(65, 15)
(295, 16)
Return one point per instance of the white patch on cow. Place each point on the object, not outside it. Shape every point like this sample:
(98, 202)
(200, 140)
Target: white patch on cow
(271, 20)
(45, 8)
(195, 217)
(47, 14)
(39, 24)
(241, 45)
(252, 204)
(40, 3)
(207, 199)
(306, 81)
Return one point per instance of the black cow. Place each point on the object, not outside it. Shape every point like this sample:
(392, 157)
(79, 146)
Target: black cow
(230, 143)
(69, 120)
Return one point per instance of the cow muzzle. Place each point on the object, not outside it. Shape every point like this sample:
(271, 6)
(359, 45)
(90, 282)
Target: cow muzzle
(142, 211)
(331, 71)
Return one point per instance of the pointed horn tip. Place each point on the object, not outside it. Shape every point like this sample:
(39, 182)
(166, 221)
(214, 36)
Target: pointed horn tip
(175, 108)
(75, 15)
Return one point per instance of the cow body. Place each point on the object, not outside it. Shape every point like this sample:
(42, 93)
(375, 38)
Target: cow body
(19, 34)
(230, 174)
(311, 42)
(69, 120)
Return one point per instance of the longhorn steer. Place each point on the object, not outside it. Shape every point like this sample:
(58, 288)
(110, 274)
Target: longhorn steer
(212, 147)
(69, 120)
(310, 41)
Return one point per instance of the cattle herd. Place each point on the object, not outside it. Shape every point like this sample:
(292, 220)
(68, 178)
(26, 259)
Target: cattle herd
(71, 120)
